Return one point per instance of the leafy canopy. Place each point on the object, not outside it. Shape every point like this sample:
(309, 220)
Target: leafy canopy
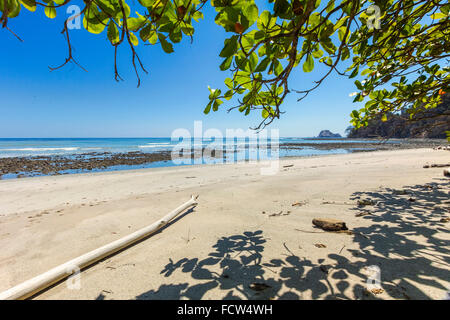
(399, 49)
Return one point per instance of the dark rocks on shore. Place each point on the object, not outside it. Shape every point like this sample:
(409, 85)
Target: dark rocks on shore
(54, 165)
(86, 162)
(364, 145)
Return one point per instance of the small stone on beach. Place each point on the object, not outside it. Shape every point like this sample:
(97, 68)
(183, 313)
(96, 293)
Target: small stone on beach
(366, 202)
(257, 286)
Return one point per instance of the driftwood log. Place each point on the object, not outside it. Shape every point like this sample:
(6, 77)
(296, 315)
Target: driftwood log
(329, 224)
(437, 165)
(52, 276)
(447, 172)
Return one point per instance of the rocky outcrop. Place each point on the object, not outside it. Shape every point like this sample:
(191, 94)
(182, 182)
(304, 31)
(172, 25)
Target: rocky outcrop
(328, 134)
(430, 123)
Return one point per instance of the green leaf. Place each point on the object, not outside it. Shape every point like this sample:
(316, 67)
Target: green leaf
(330, 6)
(13, 8)
(229, 83)
(265, 21)
(366, 71)
(317, 54)
(175, 36)
(263, 65)
(278, 67)
(308, 66)
(281, 7)
(135, 24)
(147, 3)
(253, 61)
(113, 33)
(167, 46)
(208, 107)
(340, 22)
(216, 104)
(438, 15)
(187, 29)
(50, 11)
(230, 47)
(354, 73)
(134, 40)
(228, 95)
(153, 37)
(251, 13)
(214, 93)
(127, 10)
(145, 32)
(328, 45)
(226, 63)
(197, 15)
(95, 21)
(30, 5)
(341, 33)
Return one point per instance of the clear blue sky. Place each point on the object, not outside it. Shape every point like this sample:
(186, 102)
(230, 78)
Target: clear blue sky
(72, 103)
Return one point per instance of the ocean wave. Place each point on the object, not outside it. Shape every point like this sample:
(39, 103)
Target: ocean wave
(41, 149)
(161, 145)
(158, 143)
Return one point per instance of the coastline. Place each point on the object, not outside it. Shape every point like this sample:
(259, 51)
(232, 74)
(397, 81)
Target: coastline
(61, 164)
(48, 220)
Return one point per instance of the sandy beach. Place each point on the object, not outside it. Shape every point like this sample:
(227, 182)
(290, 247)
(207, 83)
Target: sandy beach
(247, 229)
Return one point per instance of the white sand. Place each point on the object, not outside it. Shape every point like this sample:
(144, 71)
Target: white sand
(226, 243)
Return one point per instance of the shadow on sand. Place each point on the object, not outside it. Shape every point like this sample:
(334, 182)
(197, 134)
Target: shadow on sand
(406, 240)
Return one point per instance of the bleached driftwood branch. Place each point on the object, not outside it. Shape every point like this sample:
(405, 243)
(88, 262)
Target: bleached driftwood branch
(45, 280)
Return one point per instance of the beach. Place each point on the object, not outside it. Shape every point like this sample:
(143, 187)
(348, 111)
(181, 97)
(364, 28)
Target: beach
(249, 237)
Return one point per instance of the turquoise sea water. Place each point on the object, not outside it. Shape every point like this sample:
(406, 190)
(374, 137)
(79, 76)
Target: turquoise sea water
(95, 147)
(24, 147)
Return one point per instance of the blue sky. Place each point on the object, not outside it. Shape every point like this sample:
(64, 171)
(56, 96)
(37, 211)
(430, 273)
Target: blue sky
(73, 103)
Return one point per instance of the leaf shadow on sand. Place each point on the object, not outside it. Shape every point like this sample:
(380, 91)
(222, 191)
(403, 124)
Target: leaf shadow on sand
(239, 259)
(399, 220)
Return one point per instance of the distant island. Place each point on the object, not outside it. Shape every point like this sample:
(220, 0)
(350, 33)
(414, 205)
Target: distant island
(328, 134)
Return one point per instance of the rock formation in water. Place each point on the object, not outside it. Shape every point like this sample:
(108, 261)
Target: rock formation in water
(328, 134)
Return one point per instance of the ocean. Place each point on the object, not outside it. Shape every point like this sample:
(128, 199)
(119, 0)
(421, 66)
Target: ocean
(21, 157)
(26, 147)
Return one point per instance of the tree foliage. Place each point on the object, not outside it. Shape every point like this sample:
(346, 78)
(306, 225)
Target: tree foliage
(399, 49)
